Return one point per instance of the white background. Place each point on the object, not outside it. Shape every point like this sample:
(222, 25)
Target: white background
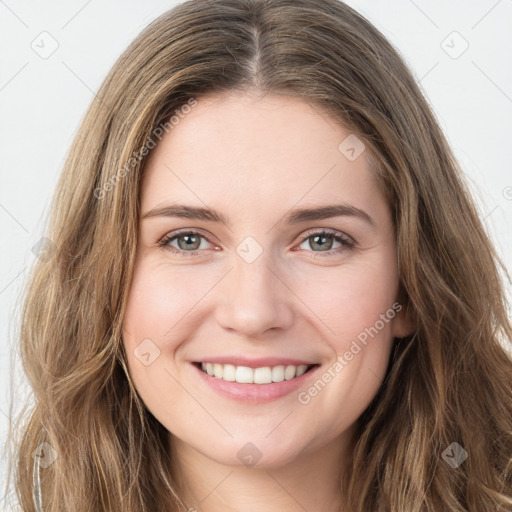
(43, 100)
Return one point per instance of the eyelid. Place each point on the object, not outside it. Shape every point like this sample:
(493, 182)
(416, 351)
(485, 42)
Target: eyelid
(327, 231)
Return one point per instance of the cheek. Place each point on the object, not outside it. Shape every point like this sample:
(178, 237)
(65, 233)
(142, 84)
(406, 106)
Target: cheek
(159, 297)
(155, 320)
(153, 308)
(349, 298)
(355, 308)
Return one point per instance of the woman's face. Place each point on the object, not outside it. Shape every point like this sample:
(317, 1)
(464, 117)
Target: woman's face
(257, 290)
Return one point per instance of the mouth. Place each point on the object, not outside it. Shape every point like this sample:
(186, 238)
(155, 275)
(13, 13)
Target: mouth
(260, 376)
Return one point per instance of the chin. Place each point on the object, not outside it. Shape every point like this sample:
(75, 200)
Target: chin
(255, 454)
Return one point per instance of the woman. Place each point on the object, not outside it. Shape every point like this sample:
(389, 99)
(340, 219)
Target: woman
(270, 288)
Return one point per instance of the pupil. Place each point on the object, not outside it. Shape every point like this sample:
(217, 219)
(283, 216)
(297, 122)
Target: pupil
(323, 238)
(190, 240)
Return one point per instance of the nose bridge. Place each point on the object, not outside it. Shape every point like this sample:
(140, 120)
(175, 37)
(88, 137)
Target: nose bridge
(254, 280)
(255, 300)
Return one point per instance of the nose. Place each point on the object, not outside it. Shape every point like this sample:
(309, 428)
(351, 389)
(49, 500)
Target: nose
(254, 299)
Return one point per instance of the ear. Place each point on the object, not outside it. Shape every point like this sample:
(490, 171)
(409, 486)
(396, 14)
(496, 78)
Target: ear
(403, 324)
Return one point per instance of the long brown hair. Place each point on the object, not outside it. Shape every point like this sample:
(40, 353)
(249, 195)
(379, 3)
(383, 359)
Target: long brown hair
(449, 382)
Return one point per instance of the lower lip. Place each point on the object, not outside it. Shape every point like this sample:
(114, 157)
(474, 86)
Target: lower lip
(254, 392)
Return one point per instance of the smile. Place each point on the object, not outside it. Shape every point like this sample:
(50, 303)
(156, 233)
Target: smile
(247, 375)
(254, 384)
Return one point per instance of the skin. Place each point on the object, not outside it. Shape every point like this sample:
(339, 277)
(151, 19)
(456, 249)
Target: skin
(254, 158)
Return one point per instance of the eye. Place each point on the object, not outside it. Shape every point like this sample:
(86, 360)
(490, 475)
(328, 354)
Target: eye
(324, 241)
(188, 242)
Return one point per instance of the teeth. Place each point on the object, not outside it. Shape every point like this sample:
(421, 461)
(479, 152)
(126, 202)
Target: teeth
(301, 370)
(246, 375)
(218, 371)
(278, 374)
(228, 373)
(290, 372)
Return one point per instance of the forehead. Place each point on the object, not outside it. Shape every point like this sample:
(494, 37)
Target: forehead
(257, 154)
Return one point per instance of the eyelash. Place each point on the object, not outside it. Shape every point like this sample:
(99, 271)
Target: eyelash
(347, 243)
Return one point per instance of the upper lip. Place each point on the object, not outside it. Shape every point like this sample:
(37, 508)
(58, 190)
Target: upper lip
(259, 362)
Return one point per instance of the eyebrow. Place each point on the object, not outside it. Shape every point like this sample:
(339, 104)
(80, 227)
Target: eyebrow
(294, 217)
